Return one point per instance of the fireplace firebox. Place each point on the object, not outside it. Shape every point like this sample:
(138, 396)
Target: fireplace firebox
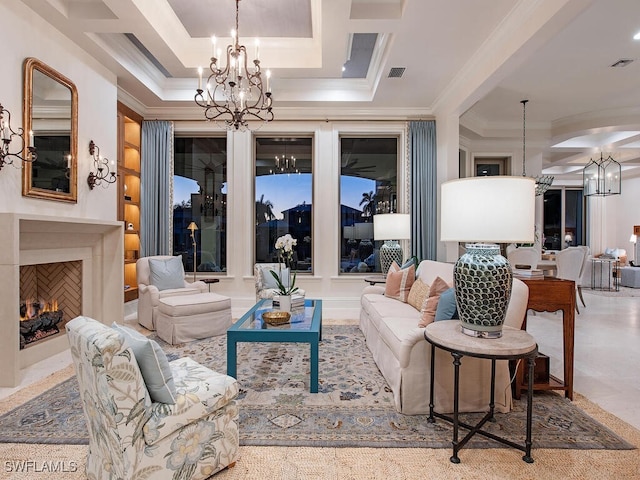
(51, 295)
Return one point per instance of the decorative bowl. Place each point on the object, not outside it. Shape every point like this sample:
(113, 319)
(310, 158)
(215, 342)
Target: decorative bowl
(276, 317)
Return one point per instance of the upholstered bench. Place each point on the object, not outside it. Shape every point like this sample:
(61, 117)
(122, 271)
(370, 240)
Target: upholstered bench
(184, 318)
(630, 277)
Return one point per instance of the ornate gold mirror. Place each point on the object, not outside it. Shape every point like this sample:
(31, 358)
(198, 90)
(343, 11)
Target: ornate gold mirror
(50, 116)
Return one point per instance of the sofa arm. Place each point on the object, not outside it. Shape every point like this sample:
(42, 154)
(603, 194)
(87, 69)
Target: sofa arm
(151, 291)
(373, 289)
(201, 391)
(199, 285)
(414, 336)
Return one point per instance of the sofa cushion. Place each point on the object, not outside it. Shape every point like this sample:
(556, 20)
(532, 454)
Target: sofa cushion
(378, 306)
(418, 294)
(399, 282)
(447, 308)
(394, 330)
(428, 313)
(166, 273)
(153, 363)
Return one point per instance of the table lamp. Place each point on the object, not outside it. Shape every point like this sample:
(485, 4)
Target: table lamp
(633, 239)
(391, 227)
(487, 210)
(568, 239)
(193, 227)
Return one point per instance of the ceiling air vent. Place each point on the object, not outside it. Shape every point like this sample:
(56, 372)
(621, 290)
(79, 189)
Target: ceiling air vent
(623, 62)
(396, 72)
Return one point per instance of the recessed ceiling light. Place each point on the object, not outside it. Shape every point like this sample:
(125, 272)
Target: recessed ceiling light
(636, 36)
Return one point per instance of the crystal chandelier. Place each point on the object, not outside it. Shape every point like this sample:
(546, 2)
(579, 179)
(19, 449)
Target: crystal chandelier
(543, 182)
(235, 93)
(284, 163)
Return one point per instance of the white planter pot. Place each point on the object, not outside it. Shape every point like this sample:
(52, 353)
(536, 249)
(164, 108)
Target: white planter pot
(285, 302)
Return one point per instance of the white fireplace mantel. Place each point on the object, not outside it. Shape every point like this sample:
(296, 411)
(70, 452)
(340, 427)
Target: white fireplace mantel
(27, 239)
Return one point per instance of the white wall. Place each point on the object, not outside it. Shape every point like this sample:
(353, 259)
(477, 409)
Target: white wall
(624, 210)
(25, 34)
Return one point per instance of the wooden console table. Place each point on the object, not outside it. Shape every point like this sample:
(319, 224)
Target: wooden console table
(550, 294)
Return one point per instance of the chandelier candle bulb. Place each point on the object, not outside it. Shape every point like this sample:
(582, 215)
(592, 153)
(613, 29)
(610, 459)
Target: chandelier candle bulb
(199, 78)
(31, 138)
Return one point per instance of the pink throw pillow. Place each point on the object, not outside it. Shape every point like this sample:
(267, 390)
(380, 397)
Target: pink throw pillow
(399, 282)
(428, 313)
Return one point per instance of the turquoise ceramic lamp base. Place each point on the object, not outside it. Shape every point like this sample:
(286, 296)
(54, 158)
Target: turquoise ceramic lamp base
(482, 280)
(390, 251)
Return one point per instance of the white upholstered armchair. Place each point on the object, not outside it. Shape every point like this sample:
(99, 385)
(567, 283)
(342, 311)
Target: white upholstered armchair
(570, 263)
(524, 256)
(150, 291)
(130, 435)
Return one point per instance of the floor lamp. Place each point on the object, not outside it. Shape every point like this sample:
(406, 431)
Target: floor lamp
(391, 227)
(193, 227)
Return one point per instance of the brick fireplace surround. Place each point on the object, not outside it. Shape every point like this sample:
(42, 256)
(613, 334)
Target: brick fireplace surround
(35, 239)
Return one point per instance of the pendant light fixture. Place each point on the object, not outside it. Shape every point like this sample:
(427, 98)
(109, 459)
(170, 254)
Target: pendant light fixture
(235, 92)
(602, 177)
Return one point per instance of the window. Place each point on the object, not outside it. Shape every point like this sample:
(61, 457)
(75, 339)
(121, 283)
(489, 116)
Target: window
(368, 185)
(200, 196)
(283, 197)
(564, 219)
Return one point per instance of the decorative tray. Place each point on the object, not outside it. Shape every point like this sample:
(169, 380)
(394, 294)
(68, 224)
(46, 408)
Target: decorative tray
(276, 317)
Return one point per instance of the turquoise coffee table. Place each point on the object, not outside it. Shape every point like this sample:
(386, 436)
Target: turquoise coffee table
(305, 327)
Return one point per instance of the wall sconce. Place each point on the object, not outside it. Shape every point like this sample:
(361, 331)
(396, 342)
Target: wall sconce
(6, 136)
(193, 227)
(103, 171)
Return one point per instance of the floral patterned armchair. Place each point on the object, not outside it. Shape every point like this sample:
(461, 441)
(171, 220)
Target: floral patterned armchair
(132, 437)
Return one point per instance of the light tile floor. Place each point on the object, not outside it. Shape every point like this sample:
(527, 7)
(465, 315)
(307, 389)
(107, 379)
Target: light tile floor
(607, 353)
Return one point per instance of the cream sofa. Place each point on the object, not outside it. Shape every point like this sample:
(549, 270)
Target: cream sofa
(391, 330)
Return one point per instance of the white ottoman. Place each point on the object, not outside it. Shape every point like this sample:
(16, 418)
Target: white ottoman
(630, 277)
(191, 317)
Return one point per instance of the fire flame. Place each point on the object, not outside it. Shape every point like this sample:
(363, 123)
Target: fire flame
(34, 308)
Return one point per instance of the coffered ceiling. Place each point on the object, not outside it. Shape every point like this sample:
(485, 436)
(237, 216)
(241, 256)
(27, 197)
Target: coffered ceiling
(475, 59)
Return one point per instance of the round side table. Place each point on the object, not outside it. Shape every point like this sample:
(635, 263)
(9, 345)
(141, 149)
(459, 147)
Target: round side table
(209, 281)
(513, 345)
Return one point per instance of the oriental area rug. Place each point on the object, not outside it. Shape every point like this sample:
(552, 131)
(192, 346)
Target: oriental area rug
(354, 406)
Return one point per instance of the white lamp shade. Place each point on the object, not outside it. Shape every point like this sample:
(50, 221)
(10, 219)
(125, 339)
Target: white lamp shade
(499, 209)
(392, 226)
(349, 232)
(363, 230)
(633, 238)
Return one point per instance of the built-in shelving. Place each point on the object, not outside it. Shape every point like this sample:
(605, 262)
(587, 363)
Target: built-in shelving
(129, 202)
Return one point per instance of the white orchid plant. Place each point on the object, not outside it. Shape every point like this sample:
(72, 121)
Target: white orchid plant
(284, 246)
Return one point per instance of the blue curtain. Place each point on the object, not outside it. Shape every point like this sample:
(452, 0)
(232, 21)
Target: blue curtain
(424, 212)
(156, 164)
